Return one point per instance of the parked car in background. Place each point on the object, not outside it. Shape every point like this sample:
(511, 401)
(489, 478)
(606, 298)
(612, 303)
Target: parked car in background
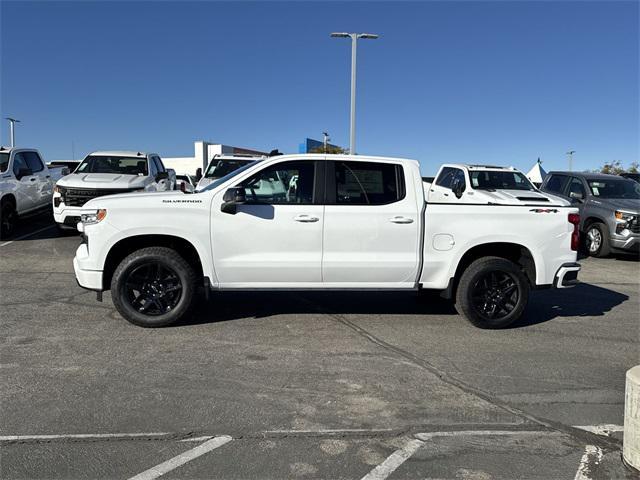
(334, 222)
(185, 183)
(609, 209)
(632, 176)
(219, 166)
(108, 173)
(26, 185)
(70, 164)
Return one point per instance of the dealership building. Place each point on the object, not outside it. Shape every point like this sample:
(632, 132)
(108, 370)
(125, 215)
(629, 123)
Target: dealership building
(202, 155)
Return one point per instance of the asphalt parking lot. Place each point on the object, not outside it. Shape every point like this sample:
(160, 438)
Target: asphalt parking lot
(309, 385)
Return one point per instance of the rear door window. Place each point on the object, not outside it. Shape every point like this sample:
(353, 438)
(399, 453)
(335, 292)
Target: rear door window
(33, 161)
(445, 179)
(556, 184)
(368, 183)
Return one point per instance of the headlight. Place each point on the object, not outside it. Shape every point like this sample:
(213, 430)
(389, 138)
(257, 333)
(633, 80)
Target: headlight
(93, 217)
(624, 216)
(58, 189)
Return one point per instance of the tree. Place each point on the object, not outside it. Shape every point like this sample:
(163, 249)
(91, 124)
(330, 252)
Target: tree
(615, 167)
(330, 149)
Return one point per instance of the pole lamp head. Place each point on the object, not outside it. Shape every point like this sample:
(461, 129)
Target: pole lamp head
(370, 36)
(340, 35)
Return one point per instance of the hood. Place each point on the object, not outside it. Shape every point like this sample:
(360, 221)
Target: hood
(627, 204)
(102, 180)
(106, 200)
(517, 197)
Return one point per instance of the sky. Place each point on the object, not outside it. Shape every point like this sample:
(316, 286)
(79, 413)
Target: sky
(499, 82)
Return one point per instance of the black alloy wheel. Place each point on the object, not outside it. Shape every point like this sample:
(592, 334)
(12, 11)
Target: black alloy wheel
(495, 295)
(493, 292)
(8, 218)
(153, 288)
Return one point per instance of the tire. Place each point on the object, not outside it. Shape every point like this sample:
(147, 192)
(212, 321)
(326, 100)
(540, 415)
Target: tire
(144, 284)
(8, 219)
(492, 293)
(596, 240)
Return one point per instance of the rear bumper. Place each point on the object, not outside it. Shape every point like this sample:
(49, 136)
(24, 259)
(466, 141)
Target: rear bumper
(567, 275)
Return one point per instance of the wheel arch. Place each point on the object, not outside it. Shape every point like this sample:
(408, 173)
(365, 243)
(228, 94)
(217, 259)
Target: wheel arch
(8, 197)
(124, 247)
(515, 252)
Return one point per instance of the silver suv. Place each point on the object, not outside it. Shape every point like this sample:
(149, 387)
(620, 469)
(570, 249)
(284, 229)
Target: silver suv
(609, 209)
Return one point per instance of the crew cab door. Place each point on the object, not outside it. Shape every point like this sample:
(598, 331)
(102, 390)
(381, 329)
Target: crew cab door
(43, 182)
(27, 196)
(371, 226)
(274, 240)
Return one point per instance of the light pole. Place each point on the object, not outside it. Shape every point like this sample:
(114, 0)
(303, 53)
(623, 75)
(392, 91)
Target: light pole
(570, 153)
(325, 140)
(354, 47)
(12, 133)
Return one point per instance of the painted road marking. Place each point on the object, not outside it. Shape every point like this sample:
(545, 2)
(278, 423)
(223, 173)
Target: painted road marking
(394, 460)
(85, 436)
(26, 235)
(183, 458)
(604, 429)
(401, 455)
(592, 455)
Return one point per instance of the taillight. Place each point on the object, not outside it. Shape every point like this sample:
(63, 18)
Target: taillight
(574, 219)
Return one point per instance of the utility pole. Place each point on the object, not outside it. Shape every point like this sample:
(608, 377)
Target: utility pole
(354, 50)
(570, 154)
(12, 133)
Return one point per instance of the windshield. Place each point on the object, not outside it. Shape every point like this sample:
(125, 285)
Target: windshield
(499, 180)
(113, 164)
(221, 180)
(614, 188)
(4, 162)
(224, 167)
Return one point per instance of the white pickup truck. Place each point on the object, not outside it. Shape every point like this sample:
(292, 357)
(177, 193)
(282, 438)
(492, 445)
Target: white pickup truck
(108, 173)
(26, 185)
(333, 222)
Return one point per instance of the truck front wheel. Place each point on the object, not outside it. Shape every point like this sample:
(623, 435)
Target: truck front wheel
(153, 287)
(8, 219)
(492, 293)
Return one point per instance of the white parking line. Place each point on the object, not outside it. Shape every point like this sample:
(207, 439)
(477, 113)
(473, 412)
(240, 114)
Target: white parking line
(85, 436)
(183, 458)
(26, 236)
(401, 455)
(604, 429)
(394, 460)
(584, 469)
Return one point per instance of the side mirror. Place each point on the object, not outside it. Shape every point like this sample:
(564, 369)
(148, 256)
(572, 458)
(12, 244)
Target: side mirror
(23, 172)
(457, 188)
(162, 176)
(233, 197)
(576, 196)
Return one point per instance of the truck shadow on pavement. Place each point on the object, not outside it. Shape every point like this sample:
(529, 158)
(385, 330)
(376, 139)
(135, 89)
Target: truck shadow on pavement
(584, 300)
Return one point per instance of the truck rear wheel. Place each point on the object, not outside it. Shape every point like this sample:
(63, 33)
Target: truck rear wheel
(8, 218)
(492, 293)
(153, 287)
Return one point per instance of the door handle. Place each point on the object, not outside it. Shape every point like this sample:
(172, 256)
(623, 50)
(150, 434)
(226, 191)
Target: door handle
(400, 219)
(32, 179)
(48, 176)
(305, 218)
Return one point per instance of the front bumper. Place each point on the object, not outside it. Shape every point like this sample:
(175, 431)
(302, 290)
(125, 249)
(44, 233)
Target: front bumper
(89, 279)
(567, 275)
(630, 243)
